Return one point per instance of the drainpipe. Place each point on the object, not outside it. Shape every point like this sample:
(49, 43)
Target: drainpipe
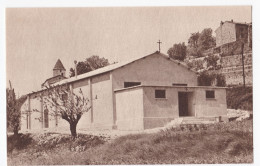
(76, 73)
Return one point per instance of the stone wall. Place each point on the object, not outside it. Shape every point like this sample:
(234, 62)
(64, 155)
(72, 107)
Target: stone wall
(233, 70)
(226, 33)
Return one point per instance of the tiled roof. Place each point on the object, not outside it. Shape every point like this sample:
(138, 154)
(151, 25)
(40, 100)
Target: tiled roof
(59, 65)
(47, 80)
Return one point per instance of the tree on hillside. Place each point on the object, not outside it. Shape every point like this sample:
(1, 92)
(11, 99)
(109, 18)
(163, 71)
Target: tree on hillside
(70, 106)
(199, 42)
(92, 63)
(13, 106)
(193, 46)
(212, 62)
(178, 51)
(193, 40)
(206, 40)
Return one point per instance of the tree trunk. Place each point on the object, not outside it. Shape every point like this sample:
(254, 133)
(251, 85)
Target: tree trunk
(73, 129)
(15, 130)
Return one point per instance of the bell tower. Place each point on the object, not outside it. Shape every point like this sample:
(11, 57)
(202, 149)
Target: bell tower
(59, 69)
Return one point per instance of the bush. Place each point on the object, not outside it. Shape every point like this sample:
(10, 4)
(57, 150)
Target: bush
(212, 62)
(195, 64)
(208, 78)
(240, 98)
(205, 79)
(221, 80)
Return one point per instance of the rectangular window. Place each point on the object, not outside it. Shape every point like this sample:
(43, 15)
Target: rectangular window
(130, 84)
(179, 84)
(64, 97)
(160, 94)
(210, 94)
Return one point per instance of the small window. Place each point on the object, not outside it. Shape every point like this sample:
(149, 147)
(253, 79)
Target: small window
(130, 84)
(64, 97)
(179, 84)
(210, 94)
(160, 94)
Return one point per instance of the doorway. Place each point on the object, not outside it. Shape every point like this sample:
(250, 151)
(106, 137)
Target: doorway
(46, 118)
(185, 100)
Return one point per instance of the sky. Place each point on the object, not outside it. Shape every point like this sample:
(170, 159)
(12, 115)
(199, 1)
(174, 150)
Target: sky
(37, 37)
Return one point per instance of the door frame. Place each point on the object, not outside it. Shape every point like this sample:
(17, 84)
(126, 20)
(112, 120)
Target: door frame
(189, 103)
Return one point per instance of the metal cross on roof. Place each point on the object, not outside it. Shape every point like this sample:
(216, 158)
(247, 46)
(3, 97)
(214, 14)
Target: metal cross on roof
(159, 42)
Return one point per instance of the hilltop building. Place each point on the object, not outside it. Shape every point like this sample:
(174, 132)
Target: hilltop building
(230, 35)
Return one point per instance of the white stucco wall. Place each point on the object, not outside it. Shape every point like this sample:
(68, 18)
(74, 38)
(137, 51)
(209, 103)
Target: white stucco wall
(153, 70)
(129, 109)
(24, 109)
(36, 122)
(102, 96)
(85, 121)
(158, 112)
(210, 107)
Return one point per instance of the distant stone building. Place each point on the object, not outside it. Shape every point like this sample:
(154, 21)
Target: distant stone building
(230, 35)
(59, 73)
(230, 31)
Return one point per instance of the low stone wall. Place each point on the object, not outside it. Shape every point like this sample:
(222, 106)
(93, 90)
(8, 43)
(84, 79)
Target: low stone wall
(233, 69)
(236, 60)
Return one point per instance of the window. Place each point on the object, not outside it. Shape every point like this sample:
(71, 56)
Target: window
(210, 94)
(64, 97)
(130, 84)
(179, 84)
(160, 94)
(46, 118)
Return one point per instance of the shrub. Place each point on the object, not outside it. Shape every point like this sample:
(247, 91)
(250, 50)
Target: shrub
(240, 98)
(205, 78)
(195, 64)
(221, 80)
(209, 78)
(212, 62)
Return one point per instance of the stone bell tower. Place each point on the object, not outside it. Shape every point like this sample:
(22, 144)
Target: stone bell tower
(59, 69)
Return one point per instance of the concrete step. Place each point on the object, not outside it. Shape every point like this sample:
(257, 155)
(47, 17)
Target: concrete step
(192, 121)
(198, 122)
(198, 119)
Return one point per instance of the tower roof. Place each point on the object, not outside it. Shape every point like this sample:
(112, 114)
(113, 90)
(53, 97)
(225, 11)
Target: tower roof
(59, 65)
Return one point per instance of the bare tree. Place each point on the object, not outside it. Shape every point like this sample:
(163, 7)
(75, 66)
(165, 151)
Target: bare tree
(62, 101)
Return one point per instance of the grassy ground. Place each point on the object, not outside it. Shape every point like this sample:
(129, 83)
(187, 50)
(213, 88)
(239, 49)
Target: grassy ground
(230, 142)
(239, 97)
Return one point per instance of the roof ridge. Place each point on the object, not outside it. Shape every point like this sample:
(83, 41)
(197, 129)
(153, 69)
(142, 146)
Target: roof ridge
(118, 65)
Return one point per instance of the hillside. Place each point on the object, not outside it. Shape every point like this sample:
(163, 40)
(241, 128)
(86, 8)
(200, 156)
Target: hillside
(230, 142)
(239, 97)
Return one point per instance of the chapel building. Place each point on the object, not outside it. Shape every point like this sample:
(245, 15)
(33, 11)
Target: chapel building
(142, 93)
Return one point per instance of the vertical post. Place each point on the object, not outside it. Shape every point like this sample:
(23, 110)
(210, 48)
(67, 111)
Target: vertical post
(76, 72)
(91, 100)
(56, 117)
(42, 118)
(242, 52)
(29, 112)
(113, 101)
